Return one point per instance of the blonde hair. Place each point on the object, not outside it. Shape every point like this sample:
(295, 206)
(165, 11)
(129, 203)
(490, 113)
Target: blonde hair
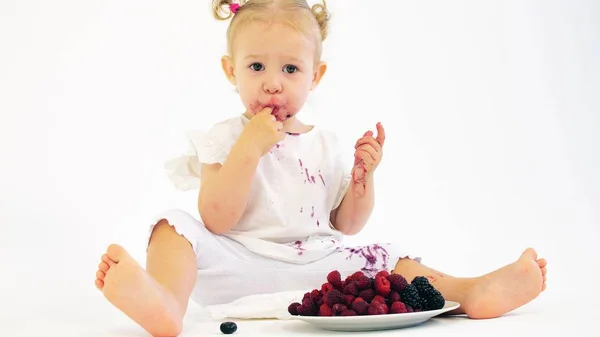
(296, 14)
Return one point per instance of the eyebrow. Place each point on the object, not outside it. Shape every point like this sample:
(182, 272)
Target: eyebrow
(287, 57)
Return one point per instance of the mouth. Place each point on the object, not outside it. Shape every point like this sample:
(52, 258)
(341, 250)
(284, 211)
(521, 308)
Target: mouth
(279, 113)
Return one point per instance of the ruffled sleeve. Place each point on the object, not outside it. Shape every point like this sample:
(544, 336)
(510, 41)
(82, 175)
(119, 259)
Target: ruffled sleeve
(204, 147)
(345, 172)
(343, 188)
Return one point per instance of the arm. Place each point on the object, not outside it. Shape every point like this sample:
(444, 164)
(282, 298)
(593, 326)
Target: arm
(225, 188)
(356, 207)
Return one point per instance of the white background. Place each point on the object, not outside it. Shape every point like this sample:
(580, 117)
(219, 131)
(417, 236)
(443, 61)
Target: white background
(491, 108)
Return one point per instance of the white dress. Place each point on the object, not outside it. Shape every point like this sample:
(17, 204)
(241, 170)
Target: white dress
(284, 240)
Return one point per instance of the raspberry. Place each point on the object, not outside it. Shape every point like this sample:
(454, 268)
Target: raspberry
(398, 308)
(307, 299)
(408, 308)
(397, 282)
(307, 308)
(320, 301)
(348, 313)
(326, 287)
(431, 298)
(377, 308)
(349, 298)
(410, 296)
(367, 294)
(338, 309)
(334, 297)
(335, 279)
(363, 282)
(351, 289)
(293, 308)
(378, 298)
(324, 310)
(356, 276)
(382, 273)
(315, 295)
(382, 286)
(394, 296)
(360, 306)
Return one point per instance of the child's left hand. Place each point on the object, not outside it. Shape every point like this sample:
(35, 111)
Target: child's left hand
(368, 154)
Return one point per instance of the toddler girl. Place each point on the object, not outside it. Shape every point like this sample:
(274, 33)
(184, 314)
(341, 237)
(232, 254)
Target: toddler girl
(275, 199)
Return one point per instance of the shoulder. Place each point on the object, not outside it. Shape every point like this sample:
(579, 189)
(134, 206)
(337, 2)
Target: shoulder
(229, 126)
(328, 138)
(224, 131)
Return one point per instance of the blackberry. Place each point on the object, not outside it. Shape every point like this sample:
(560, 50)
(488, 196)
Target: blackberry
(410, 296)
(431, 298)
(228, 328)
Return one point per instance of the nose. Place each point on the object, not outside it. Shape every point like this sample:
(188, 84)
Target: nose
(272, 84)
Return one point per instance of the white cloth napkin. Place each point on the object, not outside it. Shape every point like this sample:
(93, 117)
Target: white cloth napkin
(262, 306)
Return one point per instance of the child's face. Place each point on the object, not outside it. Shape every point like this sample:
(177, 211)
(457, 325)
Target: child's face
(274, 66)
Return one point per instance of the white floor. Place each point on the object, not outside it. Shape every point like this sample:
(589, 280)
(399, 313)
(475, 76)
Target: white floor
(86, 314)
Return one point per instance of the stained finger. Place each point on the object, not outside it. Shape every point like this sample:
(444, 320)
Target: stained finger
(365, 155)
(380, 134)
(370, 141)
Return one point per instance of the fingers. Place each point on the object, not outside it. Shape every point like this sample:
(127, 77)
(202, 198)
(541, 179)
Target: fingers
(367, 154)
(368, 141)
(380, 134)
(376, 142)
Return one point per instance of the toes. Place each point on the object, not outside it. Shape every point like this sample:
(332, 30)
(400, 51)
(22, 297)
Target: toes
(543, 286)
(103, 266)
(529, 253)
(542, 263)
(116, 253)
(100, 275)
(544, 271)
(107, 260)
(99, 284)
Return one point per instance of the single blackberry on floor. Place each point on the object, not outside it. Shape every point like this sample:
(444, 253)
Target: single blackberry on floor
(410, 296)
(228, 328)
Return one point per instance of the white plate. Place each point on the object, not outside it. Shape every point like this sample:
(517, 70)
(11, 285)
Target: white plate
(375, 322)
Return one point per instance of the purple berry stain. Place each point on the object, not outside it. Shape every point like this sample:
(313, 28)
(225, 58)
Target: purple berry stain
(299, 248)
(321, 176)
(370, 254)
(312, 215)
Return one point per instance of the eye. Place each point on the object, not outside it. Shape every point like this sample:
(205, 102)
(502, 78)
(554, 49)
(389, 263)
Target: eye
(290, 69)
(256, 66)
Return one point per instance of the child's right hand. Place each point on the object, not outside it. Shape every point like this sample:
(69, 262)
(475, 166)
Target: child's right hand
(263, 131)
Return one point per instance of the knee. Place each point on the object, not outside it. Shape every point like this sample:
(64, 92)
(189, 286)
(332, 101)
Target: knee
(162, 227)
(403, 263)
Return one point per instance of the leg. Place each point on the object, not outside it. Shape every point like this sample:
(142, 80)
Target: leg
(155, 298)
(488, 296)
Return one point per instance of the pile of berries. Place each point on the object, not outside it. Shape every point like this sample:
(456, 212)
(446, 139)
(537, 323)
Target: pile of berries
(360, 295)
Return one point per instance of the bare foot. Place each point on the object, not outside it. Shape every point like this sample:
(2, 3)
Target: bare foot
(508, 288)
(128, 287)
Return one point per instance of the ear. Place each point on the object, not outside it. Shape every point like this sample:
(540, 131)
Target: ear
(320, 70)
(228, 69)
